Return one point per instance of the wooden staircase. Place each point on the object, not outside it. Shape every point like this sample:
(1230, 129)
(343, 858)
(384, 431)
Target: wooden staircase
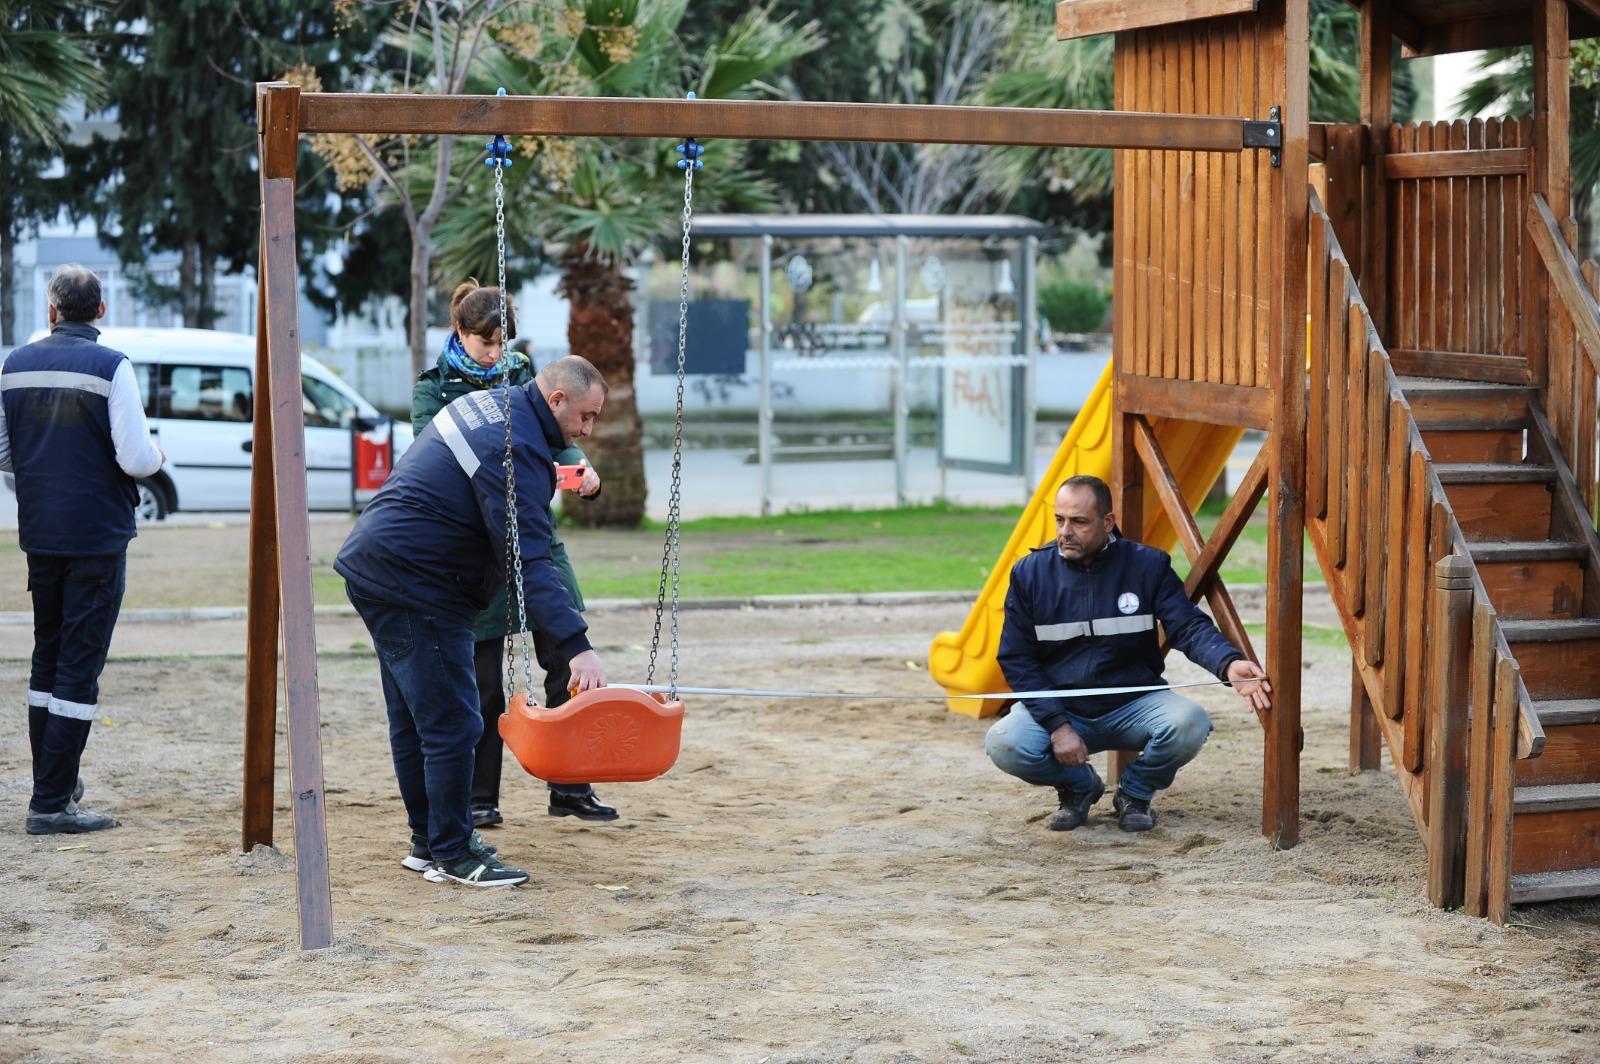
(1464, 561)
(1519, 510)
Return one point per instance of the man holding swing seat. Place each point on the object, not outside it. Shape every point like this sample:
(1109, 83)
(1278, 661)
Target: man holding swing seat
(1081, 614)
(426, 556)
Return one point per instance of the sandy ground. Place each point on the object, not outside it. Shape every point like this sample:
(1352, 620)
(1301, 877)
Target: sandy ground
(812, 882)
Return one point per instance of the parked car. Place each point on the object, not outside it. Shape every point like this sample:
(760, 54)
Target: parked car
(199, 395)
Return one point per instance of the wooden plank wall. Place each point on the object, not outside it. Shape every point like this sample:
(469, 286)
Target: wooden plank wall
(1458, 266)
(1196, 231)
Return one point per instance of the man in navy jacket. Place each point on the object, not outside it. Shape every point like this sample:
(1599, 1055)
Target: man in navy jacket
(73, 431)
(427, 555)
(1082, 613)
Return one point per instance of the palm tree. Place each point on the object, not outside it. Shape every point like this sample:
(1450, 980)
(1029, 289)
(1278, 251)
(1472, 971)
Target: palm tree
(1505, 86)
(43, 68)
(603, 202)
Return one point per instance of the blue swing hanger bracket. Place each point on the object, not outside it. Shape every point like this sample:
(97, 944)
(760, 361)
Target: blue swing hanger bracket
(691, 150)
(499, 149)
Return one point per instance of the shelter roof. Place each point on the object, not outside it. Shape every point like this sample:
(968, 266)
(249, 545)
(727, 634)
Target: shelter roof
(870, 225)
(1426, 27)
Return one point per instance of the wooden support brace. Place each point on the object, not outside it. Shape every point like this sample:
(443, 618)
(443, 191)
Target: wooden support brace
(1172, 501)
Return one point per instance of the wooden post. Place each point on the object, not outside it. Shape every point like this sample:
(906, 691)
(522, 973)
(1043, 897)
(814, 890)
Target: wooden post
(1366, 741)
(1280, 811)
(1446, 769)
(261, 637)
(1377, 114)
(1552, 164)
(279, 118)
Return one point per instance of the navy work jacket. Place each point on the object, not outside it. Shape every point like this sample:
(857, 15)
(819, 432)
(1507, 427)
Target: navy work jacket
(1072, 625)
(73, 499)
(434, 537)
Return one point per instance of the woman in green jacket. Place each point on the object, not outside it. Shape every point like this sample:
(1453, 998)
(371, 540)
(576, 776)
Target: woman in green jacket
(473, 359)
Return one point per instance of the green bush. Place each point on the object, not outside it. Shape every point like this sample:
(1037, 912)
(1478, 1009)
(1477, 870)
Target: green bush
(1073, 306)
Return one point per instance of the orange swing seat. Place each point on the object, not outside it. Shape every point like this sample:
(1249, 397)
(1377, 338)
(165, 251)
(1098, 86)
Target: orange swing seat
(608, 735)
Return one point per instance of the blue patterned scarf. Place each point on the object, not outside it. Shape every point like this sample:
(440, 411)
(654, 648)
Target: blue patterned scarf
(456, 357)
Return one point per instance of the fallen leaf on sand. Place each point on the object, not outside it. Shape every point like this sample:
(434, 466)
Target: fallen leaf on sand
(612, 887)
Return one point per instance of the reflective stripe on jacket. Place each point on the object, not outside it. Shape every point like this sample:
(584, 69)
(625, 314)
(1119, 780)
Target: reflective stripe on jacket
(434, 537)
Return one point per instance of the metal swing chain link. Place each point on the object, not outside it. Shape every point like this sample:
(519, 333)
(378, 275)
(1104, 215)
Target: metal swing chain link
(513, 531)
(669, 548)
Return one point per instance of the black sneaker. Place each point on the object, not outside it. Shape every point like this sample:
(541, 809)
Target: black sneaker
(70, 821)
(1133, 814)
(475, 870)
(419, 858)
(486, 816)
(1075, 808)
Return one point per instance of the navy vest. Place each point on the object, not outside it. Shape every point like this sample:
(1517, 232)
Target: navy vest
(72, 497)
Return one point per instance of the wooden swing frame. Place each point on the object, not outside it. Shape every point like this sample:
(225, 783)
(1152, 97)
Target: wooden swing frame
(280, 583)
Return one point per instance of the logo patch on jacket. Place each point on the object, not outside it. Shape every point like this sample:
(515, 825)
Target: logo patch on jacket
(1127, 602)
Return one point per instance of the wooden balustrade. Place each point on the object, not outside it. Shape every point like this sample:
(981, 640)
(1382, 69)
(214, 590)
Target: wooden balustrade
(1574, 364)
(1381, 525)
(1457, 268)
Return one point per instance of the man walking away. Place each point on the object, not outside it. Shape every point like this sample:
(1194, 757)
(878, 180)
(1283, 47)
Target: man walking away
(73, 431)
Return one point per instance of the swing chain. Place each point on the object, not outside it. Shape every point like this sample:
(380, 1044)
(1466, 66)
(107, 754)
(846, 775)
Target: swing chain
(499, 158)
(691, 151)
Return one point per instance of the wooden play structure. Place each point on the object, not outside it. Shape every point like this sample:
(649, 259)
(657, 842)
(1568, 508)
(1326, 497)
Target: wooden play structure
(1441, 458)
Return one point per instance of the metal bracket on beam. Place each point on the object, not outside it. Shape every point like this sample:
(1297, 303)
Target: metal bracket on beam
(1268, 134)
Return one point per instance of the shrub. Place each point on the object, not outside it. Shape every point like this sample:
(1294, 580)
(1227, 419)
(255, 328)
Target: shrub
(1073, 306)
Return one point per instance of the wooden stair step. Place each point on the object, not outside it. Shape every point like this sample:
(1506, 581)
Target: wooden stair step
(1486, 473)
(1568, 712)
(1555, 886)
(1527, 551)
(1551, 631)
(1507, 424)
(1445, 402)
(1556, 798)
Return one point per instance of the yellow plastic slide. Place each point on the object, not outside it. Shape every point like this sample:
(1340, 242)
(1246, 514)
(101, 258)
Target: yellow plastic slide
(964, 662)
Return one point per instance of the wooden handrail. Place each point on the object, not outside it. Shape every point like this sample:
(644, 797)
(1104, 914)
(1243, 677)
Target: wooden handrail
(1530, 733)
(1566, 278)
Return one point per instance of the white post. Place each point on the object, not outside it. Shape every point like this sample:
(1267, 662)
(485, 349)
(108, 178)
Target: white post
(899, 393)
(1029, 318)
(764, 410)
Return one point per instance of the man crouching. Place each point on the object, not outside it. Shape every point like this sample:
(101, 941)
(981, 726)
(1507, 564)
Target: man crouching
(1082, 613)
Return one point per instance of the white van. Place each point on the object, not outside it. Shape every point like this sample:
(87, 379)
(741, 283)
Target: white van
(199, 395)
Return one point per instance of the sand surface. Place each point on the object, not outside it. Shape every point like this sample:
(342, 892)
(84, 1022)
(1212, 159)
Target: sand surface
(812, 882)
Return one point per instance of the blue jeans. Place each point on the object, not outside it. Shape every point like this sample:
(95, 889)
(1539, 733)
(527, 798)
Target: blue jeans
(434, 724)
(75, 607)
(1169, 728)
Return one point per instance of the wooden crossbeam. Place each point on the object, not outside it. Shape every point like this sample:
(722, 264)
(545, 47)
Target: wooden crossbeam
(1172, 501)
(599, 116)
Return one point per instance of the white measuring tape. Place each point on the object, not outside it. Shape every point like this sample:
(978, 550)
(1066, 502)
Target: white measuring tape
(755, 692)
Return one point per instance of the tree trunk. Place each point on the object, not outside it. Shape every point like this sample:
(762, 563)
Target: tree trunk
(206, 306)
(188, 265)
(8, 274)
(417, 322)
(601, 330)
